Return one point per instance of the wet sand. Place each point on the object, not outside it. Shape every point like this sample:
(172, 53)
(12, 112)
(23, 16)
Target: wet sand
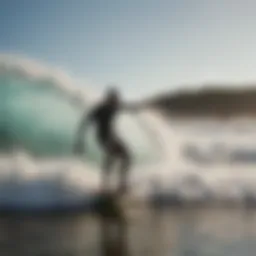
(180, 232)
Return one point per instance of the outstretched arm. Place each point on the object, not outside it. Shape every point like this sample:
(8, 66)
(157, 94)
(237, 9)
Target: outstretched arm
(134, 107)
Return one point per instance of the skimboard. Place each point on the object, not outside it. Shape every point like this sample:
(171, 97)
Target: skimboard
(112, 205)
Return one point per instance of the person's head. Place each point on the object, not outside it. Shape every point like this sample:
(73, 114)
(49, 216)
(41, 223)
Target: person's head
(113, 96)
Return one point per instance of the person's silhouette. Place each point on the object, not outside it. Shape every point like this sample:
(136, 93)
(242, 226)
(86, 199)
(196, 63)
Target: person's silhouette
(102, 116)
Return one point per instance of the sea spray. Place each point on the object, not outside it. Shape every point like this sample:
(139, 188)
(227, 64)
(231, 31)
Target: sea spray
(40, 109)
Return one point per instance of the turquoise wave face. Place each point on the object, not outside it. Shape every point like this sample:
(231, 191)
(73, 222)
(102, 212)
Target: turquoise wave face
(38, 117)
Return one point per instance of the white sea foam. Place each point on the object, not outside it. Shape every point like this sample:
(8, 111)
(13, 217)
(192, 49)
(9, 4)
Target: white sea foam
(183, 154)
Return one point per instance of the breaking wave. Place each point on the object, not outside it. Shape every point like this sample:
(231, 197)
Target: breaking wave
(40, 108)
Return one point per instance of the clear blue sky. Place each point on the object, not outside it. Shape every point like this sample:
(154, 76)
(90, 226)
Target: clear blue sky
(143, 45)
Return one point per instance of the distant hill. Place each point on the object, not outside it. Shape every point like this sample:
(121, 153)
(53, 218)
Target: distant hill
(208, 102)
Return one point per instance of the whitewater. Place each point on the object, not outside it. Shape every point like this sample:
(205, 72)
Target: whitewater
(40, 109)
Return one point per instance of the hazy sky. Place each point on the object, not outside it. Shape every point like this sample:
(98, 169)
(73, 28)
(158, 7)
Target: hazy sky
(143, 45)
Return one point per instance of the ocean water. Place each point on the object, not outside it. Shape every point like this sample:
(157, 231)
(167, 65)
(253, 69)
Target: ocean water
(40, 109)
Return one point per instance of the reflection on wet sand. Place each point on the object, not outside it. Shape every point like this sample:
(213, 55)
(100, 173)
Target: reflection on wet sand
(114, 237)
(179, 232)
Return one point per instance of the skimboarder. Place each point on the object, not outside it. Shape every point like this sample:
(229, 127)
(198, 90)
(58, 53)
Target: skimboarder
(114, 148)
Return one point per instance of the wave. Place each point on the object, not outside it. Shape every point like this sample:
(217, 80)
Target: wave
(40, 108)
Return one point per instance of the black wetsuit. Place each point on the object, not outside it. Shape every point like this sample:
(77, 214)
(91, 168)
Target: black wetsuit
(103, 117)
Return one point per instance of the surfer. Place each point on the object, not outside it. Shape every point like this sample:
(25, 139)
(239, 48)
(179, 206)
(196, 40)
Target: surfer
(114, 148)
